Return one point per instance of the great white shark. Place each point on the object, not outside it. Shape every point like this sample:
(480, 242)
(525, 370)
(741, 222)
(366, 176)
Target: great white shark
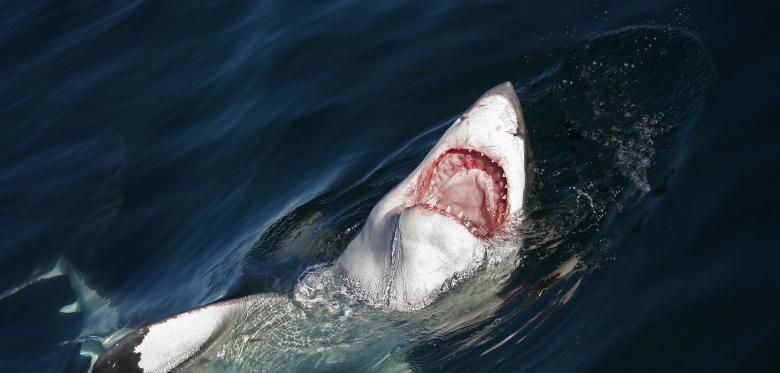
(433, 227)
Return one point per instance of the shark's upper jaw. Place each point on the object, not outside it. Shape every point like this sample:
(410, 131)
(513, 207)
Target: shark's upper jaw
(467, 186)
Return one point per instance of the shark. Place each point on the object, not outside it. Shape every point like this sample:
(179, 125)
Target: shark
(433, 229)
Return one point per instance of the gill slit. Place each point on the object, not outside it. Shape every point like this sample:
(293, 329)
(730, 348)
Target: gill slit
(392, 273)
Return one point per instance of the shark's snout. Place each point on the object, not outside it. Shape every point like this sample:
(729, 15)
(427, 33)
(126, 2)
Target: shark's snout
(502, 101)
(506, 91)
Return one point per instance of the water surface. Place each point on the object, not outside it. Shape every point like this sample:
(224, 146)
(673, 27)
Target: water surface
(165, 155)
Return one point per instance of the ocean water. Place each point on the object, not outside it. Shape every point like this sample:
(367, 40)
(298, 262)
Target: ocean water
(159, 156)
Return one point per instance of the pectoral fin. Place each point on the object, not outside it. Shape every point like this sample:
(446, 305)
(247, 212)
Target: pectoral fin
(171, 343)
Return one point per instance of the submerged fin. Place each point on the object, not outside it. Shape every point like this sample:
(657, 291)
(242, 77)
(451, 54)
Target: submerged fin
(100, 317)
(56, 271)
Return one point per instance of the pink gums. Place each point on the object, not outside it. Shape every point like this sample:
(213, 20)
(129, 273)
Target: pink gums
(467, 186)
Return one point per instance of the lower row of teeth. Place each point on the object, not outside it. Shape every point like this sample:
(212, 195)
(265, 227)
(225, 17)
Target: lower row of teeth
(471, 226)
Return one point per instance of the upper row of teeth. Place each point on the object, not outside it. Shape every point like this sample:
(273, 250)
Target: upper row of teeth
(483, 155)
(479, 152)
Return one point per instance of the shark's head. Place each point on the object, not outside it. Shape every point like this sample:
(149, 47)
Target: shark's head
(437, 222)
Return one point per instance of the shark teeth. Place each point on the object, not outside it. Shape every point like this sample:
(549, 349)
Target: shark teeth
(456, 168)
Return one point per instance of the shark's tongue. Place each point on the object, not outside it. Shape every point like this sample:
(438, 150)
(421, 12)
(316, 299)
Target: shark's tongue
(469, 187)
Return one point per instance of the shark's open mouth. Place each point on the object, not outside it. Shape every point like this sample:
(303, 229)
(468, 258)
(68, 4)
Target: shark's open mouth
(467, 186)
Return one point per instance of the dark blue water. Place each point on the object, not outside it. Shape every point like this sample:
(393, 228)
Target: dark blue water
(171, 154)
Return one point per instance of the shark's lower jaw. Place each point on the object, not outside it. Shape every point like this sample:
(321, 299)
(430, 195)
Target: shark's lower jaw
(467, 186)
